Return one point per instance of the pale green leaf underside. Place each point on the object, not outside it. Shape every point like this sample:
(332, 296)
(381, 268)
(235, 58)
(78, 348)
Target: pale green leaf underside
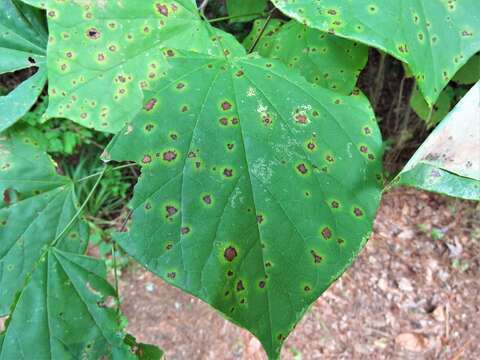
(101, 55)
(435, 38)
(23, 40)
(258, 188)
(324, 59)
(448, 161)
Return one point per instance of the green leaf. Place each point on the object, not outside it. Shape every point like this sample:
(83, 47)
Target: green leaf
(23, 40)
(324, 59)
(258, 189)
(63, 313)
(237, 8)
(448, 162)
(102, 55)
(58, 301)
(45, 204)
(435, 38)
(470, 72)
(432, 116)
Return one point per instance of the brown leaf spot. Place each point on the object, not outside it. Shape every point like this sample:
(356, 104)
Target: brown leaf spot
(326, 233)
(226, 106)
(207, 199)
(162, 9)
(147, 159)
(169, 155)
(302, 169)
(240, 286)
(316, 258)
(228, 172)
(150, 104)
(171, 210)
(230, 254)
(93, 33)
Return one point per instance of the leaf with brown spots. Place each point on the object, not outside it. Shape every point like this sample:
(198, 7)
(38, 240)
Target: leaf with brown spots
(434, 38)
(323, 59)
(109, 51)
(23, 43)
(255, 212)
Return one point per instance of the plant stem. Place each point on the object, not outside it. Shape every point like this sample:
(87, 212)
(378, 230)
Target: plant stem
(233, 17)
(255, 43)
(379, 80)
(80, 209)
(100, 172)
(115, 275)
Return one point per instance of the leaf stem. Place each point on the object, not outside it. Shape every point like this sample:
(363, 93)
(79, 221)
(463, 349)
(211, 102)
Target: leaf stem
(255, 43)
(115, 275)
(234, 17)
(100, 172)
(80, 209)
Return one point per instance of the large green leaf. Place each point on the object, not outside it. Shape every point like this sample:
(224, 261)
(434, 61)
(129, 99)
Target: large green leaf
(58, 301)
(37, 204)
(23, 42)
(432, 115)
(324, 59)
(103, 53)
(236, 8)
(258, 189)
(435, 37)
(448, 162)
(63, 313)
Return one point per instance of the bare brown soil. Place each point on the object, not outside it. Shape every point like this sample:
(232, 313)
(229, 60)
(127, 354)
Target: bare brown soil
(408, 296)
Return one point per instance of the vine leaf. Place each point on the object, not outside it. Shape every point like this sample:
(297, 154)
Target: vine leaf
(103, 53)
(324, 59)
(258, 188)
(58, 300)
(435, 38)
(23, 42)
(236, 8)
(447, 161)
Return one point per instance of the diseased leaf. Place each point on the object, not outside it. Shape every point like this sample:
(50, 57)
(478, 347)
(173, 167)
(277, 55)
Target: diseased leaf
(435, 38)
(324, 59)
(258, 189)
(23, 41)
(236, 8)
(448, 161)
(103, 53)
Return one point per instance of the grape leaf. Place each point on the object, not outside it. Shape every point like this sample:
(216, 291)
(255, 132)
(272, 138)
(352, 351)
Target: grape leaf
(324, 59)
(258, 189)
(58, 301)
(23, 42)
(102, 54)
(236, 8)
(448, 161)
(435, 38)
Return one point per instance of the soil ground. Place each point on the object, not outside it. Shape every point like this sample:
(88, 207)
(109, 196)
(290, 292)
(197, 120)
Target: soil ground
(413, 293)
